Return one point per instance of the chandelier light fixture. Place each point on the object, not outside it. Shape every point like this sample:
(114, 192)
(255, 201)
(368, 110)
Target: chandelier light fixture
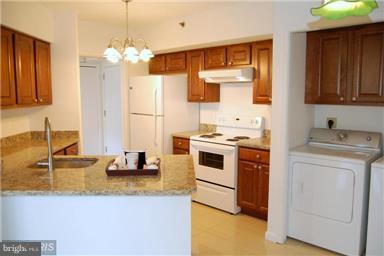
(118, 50)
(338, 9)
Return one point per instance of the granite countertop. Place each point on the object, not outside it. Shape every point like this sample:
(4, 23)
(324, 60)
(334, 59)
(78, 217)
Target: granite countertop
(187, 135)
(257, 143)
(176, 177)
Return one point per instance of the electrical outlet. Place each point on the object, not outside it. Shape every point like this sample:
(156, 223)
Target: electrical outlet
(329, 122)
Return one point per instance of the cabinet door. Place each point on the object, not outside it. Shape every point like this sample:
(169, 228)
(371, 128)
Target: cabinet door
(368, 64)
(239, 55)
(72, 150)
(8, 85)
(157, 64)
(262, 61)
(177, 151)
(248, 179)
(25, 70)
(43, 72)
(196, 86)
(215, 57)
(175, 62)
(262, 191)
(326, 67)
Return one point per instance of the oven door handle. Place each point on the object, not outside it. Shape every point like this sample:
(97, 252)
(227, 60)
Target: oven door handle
(212, 147)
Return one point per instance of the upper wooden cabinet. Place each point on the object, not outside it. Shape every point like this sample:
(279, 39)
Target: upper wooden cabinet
(215, 58)
(26, 70)
(238, 55)
(198, 90)
(157, 64)
(8, 86)
(262, 61)
(175, 62)
(326, 68)
(368, 64)
(346, 66)
(43, 72)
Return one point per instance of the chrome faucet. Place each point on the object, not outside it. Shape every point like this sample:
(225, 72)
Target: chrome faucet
(48, 137)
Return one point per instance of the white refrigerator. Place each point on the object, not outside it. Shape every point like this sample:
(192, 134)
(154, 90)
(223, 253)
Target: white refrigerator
(158, 107)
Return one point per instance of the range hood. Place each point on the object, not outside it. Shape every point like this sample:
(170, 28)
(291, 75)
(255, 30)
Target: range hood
(235, 75)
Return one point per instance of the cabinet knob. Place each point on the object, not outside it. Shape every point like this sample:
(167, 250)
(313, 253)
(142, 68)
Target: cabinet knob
(270, 98)
(230, 63)
(259, 167)
(41, 99)
(258, 156)
(341, 98)
(35, 100)
(201, 98)
(179, 143)
(255, 167)
(353, 98)
(222, 63)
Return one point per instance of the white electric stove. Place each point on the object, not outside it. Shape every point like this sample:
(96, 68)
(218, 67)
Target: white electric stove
(215, 160)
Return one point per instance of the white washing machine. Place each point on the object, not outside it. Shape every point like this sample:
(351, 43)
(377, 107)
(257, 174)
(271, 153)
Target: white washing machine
(375, 234)
(328, 189)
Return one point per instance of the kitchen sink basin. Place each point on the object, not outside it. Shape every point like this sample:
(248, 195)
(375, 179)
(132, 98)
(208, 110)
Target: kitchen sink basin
(66, 163)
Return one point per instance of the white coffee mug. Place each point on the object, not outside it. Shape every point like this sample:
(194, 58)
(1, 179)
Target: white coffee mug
(132, 160)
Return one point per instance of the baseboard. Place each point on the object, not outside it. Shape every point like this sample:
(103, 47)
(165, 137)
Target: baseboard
(275, 238)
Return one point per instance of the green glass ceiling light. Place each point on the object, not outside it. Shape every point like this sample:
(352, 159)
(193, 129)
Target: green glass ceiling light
(338, 9)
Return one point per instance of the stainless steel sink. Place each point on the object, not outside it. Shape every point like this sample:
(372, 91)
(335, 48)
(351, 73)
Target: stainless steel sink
(66, 163)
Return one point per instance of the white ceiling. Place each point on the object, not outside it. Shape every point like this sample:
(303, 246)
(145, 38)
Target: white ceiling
(141, 12)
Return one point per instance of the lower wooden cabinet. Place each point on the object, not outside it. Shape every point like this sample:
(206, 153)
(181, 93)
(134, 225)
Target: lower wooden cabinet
(180, 146)
(71, 150)
(253, 182)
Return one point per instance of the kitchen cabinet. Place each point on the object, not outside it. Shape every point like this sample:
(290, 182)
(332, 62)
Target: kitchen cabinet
(180, 146)
(8, 85)
(262, 61)
(43, 72)
(157, 64)
(70, 150)
(368, 64)
(26, 70)
(253, 182)
(215, 58)
(238, 55)
(346, 66)
(175, 62)
(198, 89)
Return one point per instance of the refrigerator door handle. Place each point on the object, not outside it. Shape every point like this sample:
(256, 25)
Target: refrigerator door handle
(155, 139)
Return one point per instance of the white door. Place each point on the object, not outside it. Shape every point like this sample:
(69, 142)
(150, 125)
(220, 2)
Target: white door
(91, 110)
(146, 133)
(146, 95)
(113, 124)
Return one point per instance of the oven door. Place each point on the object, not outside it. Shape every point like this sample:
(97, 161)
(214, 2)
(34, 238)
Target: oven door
(214, 163)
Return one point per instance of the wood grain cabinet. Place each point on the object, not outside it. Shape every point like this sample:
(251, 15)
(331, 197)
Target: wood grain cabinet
(239, 55)
(180, 146)
(253, 182)
(368, 64)
(71, 150)
(198, 89)
(215, 58)
(175, 62)
(262, 61)
(346, 66)
(8, 85)
(157, 64)
(26, 70)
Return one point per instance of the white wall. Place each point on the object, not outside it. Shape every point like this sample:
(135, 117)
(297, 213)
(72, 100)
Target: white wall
(234, 99)
(242, 21)
(291, 17)
(30, 18)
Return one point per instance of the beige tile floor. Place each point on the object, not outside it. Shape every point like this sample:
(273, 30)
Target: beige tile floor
(215, 232)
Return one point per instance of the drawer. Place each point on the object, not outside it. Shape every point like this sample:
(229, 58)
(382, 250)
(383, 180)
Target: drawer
(72, 150)
(181, 143)
(177, 151)
(254, 155)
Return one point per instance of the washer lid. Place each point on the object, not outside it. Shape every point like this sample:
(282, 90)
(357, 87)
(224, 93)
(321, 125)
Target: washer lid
(356, 155)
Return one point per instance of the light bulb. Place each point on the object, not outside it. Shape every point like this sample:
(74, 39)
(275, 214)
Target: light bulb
(112, 54)
(146, 54)
(130, 53)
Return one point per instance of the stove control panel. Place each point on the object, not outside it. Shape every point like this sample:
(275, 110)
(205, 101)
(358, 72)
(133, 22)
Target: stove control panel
(240, 121)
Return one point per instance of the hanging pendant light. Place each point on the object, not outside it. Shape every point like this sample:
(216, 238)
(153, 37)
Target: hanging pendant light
(127, 51)
(338, 9)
